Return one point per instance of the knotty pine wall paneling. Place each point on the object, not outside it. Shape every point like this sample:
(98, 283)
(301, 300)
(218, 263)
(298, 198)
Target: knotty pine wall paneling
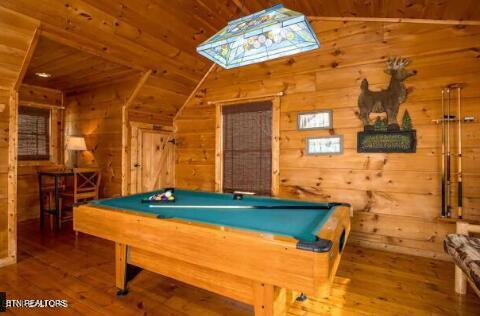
(96, 114)
(27, 197)
(158, 101)
(4, 132)
(16, 36)
(396, 197)
(40, 96)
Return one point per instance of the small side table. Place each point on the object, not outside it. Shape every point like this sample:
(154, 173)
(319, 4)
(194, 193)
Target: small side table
(55, 211)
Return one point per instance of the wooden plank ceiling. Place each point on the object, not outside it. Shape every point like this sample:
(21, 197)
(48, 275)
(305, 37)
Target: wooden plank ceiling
(71, 68)
(411, 9)
(162, 35)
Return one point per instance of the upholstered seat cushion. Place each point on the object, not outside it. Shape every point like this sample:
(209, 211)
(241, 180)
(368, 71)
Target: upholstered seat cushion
(465, 251)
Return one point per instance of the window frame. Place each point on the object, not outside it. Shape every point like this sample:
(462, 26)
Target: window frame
(275, 99)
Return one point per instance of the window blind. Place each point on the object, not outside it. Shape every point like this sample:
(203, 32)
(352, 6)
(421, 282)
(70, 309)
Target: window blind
(247, 148)
(33, 133)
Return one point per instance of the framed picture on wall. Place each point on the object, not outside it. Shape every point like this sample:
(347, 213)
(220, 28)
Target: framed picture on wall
(314, 120)
(324, 145)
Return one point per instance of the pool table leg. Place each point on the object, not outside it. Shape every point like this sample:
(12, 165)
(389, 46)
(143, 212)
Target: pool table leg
(121, 268)
(124, 272)
(270, 300)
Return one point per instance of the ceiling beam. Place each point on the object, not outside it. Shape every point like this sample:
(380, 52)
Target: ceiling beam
(27, 59)
(241, 6)
(138, 87)
(193, 92)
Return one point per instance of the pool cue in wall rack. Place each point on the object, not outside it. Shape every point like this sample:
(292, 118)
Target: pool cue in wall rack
(444, 204)
(450, 117)
(447, 122)
(459, 153)
(447, 118)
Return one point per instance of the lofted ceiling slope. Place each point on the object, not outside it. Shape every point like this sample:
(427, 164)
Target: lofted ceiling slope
(162, 35)
(71, 68)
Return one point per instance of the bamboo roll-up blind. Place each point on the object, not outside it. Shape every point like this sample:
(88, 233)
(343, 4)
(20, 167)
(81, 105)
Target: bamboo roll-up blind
(33, 133)
(247, 148)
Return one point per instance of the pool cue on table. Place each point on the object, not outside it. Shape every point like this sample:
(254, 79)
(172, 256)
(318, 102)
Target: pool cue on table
(244, 193)
(239, 207)
(444, 202)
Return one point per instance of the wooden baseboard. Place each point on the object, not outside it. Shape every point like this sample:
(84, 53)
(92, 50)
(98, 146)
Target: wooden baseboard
(7, 261)
(399, 249)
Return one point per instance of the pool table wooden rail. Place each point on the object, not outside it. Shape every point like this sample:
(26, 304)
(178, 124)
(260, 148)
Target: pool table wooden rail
(250, 267)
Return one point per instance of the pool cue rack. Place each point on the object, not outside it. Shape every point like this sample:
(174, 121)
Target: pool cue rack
(448, 122)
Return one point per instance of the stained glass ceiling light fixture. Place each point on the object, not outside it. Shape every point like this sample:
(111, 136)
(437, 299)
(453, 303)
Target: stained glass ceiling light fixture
(261, 36)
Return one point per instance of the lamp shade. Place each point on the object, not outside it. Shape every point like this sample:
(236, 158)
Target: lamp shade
(264, 35)
(76, 143)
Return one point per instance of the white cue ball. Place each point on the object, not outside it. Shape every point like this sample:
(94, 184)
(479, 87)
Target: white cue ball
(168, 194)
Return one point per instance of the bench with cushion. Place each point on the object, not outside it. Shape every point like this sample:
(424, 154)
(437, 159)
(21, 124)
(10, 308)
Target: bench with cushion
(465, 251)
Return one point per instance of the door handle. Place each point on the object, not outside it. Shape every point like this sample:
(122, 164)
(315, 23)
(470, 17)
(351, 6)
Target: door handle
(136, 165)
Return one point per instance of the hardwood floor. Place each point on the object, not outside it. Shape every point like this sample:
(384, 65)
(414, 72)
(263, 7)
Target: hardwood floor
(369, 282)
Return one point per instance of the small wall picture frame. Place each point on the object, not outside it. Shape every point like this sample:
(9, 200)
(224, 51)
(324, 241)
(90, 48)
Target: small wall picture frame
(324, 145)
(314, 120)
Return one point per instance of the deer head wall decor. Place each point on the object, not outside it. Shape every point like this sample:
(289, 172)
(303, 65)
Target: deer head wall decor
(386, 101)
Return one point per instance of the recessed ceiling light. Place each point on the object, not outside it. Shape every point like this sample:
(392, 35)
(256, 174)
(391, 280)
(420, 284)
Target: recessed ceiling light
(43, 75)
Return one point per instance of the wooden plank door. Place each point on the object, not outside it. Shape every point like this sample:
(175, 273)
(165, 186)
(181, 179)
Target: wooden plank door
(154, 165)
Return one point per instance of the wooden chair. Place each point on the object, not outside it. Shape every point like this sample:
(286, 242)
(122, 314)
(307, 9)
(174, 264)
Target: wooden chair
(86, 185)
(48, 189)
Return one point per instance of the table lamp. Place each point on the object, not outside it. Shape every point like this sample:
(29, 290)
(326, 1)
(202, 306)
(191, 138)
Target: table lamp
(76, 143)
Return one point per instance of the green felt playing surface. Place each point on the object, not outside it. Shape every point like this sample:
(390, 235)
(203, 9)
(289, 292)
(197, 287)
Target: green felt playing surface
(302, 224)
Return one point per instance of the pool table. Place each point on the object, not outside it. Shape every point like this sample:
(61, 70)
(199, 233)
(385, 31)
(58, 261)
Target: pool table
(262, 251)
